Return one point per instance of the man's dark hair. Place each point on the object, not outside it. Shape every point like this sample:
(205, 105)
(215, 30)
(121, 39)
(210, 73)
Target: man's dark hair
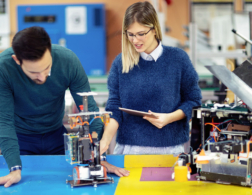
(31, 43)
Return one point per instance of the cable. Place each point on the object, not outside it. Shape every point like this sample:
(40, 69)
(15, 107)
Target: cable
(108, 173)
(213, 125)
(94, 119)
(91, 121)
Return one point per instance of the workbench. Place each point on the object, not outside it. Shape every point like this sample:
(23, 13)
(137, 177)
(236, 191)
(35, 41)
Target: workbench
(48, 175)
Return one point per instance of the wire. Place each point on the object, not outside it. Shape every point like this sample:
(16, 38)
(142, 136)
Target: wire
(214, 126)
(91, 140)
(177, 158)
(94, 119)
(248, 150)
(218, 142)
(212, 123)
(199, 148)
(72, 119)
(213, 132)
(191, 149)
(91, 121)
(108, 173)
(80, 121)
(188, 166)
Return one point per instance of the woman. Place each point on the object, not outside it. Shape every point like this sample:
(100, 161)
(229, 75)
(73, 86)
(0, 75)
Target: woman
(148, 76)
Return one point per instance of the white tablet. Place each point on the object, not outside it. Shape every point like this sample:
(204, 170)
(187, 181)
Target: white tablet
(136, 112)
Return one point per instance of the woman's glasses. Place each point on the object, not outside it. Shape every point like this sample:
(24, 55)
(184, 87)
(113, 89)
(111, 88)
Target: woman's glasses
(139, 36)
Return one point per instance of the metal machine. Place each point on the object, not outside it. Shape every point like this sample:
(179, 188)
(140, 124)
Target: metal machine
(221, 135)
(83, 149)
(78, 27)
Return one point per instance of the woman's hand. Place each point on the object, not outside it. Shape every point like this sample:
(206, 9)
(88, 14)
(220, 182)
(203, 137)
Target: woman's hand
(160, 120)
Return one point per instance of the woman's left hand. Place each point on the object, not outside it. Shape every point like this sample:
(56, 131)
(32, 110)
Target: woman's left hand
(160, 120)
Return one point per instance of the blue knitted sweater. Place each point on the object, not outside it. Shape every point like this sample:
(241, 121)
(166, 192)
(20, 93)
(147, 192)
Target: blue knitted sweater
(169, 84)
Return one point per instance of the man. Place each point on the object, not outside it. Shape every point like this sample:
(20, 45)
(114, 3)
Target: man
(33, 78)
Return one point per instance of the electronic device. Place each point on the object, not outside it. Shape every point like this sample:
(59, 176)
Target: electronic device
(78, 27)
(83, 149)
(137, 113)
(221, 137)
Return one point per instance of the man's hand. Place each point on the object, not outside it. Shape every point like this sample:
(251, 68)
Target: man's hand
(13, 177)
(104, 145)
(116, 170)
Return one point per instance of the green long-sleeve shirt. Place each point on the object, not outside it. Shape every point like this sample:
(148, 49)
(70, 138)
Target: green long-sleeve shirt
(28, 108)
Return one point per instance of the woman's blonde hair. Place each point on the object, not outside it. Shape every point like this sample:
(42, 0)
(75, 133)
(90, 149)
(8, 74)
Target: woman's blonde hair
(145, 14)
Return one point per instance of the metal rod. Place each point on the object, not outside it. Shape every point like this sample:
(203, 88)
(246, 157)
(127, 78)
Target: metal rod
(244, 38)
(202, 130)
